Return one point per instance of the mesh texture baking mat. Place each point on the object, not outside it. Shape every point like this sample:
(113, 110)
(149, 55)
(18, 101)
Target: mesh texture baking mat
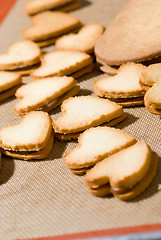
(43, 198)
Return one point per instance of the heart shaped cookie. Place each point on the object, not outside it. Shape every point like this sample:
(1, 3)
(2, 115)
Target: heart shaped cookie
(39, 93)
(83, 41)
(50, 24)
(32, 134)
(94, 145)
(125, 174)
(8, 80)
(61, 62)
(20, 54)
(123, 88)
(80, 113)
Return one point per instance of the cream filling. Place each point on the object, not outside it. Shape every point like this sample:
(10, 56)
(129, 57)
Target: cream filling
(28, 155)
(122, 100)
(10, 92)
(56, 102)
(138, 187)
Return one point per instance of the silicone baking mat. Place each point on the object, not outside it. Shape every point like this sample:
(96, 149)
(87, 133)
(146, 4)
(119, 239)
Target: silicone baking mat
(43, 199)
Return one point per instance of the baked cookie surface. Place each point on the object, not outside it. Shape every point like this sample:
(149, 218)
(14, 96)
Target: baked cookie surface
(36, 94)
(124, 87)
(32, 134)
(83, 41)
(50, 24)
(150, 76)
(138, 21)
(94, 145)
(21, 54)
(152, 99)
(125, 174)
(9, 83)
(80, 113)
(61, 62)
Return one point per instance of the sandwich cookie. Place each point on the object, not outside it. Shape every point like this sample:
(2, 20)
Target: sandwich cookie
(83, 41)
(123, 88)
(44, 94)
(22, 57)
(9, 83)
(94, 145)
(150, 76)
(152, 99)
(83, 112)
(31, 139)
(125, 174)
(47, 26)
(63, 62)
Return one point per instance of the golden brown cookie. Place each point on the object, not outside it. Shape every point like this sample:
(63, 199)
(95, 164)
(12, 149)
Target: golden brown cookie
(21, 54)
(43, 93)
(9, 82)
(83, 41)
(80, 113)
(94, 145)
(124, 87)
(125, 174)
(70, 136)
(152, 99)
(32, 134)
(133, 35)
(63, 62)
(31, 155)
(36, 6)
(50, 24)
(150, 76)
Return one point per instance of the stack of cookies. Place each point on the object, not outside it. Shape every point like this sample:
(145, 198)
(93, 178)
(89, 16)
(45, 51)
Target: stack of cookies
(94, 145)
(150, 76)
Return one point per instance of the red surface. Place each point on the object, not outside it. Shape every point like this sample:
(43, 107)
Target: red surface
(5, 6)
(108, 232)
